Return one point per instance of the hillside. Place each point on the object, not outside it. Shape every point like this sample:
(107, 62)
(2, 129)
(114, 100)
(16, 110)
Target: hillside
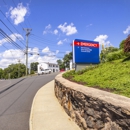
(111, 76)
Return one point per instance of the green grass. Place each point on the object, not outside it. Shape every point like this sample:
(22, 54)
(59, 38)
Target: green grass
(111, 76)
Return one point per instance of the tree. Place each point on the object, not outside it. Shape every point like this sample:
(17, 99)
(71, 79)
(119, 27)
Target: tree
(61, 64)
(105, 52)
(34, 66)
(121, 46)
(14, 71)
(1, 73)
(127, 44)
(66, 60)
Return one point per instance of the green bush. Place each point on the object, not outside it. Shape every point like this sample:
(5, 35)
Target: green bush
(69, 74)
(115, 55)
(32, 71)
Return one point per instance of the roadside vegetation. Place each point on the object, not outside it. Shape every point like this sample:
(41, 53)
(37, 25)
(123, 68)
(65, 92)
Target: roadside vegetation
(14, 71)
(112, 74)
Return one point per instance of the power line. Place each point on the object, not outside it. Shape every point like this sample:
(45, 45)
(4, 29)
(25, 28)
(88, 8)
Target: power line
(5, 4)
(42, 42)
(9, 21)
(16, 6)
(38, 37)
(7, 37)
(10, 51)
(11, 31)
(45, 41)
(10, 40)
(26, 19)
(52, 50)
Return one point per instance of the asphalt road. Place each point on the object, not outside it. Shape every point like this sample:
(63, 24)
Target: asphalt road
(16, 98)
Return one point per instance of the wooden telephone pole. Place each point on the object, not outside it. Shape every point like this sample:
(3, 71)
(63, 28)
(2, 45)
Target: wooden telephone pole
(28, 30)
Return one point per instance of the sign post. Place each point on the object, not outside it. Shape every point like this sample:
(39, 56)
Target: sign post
(85, 53)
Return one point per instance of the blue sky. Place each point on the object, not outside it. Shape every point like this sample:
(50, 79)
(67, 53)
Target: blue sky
(55, 24)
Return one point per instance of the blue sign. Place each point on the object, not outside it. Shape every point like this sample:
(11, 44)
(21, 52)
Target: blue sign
(85, 52)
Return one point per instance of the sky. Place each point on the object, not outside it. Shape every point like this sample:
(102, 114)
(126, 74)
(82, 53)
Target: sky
(54, 24)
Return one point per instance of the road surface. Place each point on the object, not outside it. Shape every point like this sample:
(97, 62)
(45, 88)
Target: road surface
(16, 98)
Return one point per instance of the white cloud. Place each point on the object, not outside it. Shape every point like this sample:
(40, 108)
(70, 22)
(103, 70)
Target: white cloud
(48, 26)
(13, 55)
(127, 30)
(62, 41)
(57, 51)
(67, 52)
(68, 29)
(47, 29)
(14, 37)
(47, 59)
(46, 50)
(44, 32)
(102, 39)
(18, 13)
(34, 51)
(89, 25)
(6, 62)
(55, 31)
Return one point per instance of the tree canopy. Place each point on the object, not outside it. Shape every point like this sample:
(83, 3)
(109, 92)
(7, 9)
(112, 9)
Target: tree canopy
(34, 66)
(127, 44)
(13, 71)
(65, 62)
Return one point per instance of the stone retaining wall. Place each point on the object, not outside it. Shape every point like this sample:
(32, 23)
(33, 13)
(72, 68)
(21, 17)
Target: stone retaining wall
(93, 109)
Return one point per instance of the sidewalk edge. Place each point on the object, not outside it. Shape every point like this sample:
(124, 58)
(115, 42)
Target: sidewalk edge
(33, 102)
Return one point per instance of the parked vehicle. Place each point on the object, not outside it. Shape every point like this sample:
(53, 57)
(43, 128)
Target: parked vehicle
(47, 68)
(45, 71)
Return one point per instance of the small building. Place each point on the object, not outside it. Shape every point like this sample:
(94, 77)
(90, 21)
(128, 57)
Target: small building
(46, 65)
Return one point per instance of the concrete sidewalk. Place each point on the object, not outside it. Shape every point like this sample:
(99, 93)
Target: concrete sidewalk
(47, 113)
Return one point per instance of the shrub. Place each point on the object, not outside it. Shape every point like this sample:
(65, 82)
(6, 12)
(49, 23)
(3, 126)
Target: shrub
(69, 74)
(115, 55)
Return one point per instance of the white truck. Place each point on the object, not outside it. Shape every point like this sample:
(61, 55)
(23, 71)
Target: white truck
(43, 69)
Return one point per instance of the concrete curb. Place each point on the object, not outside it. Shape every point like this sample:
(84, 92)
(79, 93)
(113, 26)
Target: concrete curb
(31, 113)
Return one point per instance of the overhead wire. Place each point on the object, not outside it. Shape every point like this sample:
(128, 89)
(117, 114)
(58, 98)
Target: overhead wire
(38, 37)
(10, 40)
(16, 6)
(43, 41)
(11, 31)
(5, 4)
(51, 50)
(26, 19)
(9, 50)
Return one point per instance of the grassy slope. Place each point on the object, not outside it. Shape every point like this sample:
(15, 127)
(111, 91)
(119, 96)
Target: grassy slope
(112, 76)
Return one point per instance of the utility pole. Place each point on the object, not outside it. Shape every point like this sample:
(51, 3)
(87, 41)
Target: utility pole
(27, 34)
(18, 68)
